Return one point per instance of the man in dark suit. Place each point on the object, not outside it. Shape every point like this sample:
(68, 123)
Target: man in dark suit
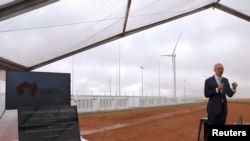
(216, 89)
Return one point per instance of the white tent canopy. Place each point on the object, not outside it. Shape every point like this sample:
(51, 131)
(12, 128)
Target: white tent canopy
(34, 33)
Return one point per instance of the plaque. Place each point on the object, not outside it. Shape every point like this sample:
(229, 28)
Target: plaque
(48, 123)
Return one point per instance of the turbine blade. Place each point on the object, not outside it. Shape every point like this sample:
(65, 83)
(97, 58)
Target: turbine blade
(167, 55)
(176, 43)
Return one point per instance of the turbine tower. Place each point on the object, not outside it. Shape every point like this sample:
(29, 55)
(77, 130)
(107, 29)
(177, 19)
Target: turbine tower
(173, 55)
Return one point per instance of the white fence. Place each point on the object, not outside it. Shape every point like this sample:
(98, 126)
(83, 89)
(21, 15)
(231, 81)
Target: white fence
(107, 103)
(93, 103)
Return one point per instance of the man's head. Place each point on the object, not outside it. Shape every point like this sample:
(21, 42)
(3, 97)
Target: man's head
(218, 69)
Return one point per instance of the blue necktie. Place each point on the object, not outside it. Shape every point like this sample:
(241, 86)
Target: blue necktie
(219, 81)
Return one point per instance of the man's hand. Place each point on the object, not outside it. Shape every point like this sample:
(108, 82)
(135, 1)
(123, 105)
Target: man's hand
(220, 86)
(234, 85)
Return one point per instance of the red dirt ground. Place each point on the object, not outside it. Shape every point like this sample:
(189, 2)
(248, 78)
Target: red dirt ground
(173, 123)
(168, 123)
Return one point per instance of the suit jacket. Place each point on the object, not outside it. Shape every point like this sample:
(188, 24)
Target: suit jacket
(215, 98)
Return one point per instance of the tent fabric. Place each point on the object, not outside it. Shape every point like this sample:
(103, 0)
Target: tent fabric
(62, 28)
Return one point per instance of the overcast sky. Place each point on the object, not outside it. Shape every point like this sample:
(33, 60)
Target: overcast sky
(207, 38)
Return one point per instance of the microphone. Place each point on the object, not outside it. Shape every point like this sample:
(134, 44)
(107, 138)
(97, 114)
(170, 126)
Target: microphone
(222, 80)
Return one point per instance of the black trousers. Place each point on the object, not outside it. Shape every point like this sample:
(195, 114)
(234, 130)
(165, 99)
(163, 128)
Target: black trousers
(215, 119)
(218, 119)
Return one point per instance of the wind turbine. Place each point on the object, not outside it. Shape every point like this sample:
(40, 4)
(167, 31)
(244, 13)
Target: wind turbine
(173, 55)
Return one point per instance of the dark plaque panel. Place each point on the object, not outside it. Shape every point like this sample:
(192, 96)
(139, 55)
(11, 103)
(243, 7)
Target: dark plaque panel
(36, 89)
(52, 123)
